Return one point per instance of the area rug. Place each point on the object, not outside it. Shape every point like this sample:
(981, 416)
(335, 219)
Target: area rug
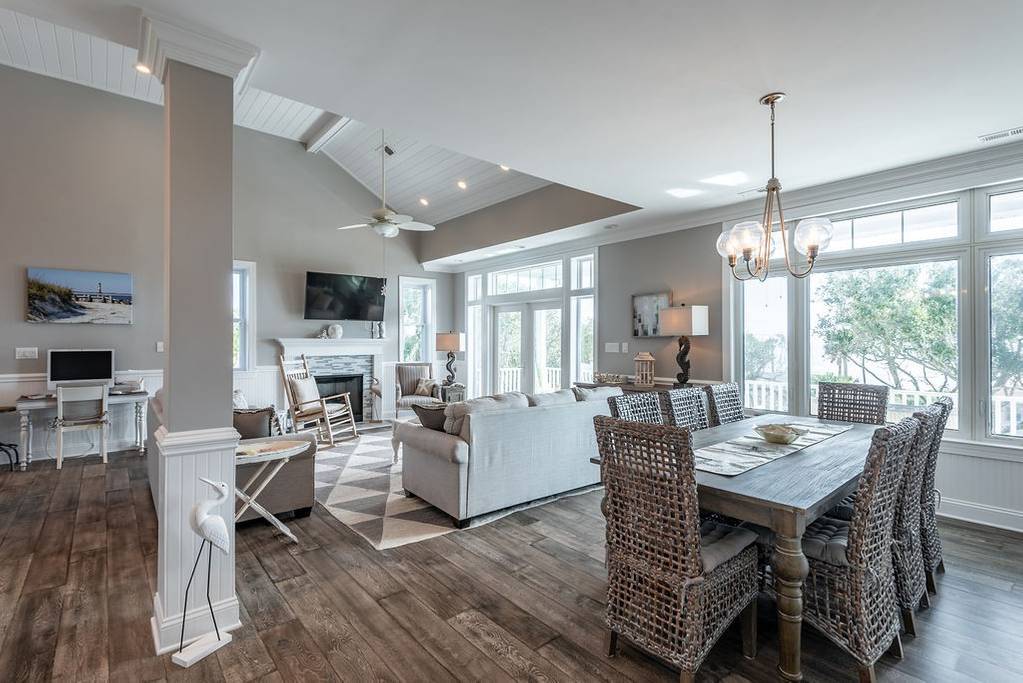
(359, 483)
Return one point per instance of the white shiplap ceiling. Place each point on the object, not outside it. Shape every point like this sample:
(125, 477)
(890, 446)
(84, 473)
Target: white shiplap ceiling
(419, 170)
(416, 170)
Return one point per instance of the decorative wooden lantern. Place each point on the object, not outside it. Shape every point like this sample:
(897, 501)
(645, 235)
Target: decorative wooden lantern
(644, 369)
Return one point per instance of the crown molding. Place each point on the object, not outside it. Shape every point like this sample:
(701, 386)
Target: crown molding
(162, 38)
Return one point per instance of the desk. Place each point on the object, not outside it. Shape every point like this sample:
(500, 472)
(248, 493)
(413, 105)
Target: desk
(26, 405)
(785, 495)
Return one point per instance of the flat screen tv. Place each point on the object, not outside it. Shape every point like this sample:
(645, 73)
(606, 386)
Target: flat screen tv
(330, 296)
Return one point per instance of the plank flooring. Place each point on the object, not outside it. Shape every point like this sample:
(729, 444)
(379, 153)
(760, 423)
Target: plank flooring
(519, 599)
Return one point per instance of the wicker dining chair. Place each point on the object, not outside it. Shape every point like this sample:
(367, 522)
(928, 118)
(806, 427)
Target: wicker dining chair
(686, 407)
(636, 407)
(849, 593)
(674, 584)
(848, 402)
(725, 403)
(930, 498)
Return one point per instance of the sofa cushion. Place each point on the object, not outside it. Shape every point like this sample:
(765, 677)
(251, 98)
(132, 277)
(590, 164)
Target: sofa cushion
(253, 423)
(551, 398)
(596, 393)
(431, 416)
(304, 390)
(455, 412)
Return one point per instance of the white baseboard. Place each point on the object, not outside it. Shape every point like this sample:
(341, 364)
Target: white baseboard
(167, 630)
(978, 513)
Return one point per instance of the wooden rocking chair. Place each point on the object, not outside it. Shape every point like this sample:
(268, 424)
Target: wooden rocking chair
(329, 416)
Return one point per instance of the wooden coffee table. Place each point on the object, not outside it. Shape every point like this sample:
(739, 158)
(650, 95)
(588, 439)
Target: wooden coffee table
(273, 455)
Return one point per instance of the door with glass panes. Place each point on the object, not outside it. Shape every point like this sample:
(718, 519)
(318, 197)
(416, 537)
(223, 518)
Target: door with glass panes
(527, 347)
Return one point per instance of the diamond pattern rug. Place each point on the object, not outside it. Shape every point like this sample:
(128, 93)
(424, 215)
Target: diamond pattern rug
(359, 483)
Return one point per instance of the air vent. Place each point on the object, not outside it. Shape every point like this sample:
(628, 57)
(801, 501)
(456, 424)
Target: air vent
(1001, 135)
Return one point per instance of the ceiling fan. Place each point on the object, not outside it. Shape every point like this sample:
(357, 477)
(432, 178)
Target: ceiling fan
(383, 221)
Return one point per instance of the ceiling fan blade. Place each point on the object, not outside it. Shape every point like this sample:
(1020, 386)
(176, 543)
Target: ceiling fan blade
(399, 218)
(357, 225)
(417, 227)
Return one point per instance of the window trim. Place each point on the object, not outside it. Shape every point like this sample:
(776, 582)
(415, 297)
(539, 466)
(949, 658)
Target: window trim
(430, 313)
(982, 214)
(247, 353)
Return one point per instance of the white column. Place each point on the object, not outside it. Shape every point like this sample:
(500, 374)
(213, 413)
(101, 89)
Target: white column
(196, 439)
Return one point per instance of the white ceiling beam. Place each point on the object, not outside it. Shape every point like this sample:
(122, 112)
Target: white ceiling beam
(323, 134)
(162, 38)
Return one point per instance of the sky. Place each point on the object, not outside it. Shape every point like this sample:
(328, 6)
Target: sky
(84, 280)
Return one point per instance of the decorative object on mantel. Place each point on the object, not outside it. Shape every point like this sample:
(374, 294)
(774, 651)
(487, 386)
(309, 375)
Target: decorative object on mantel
(646, 310)
(452, 342)
(754, 240)
(610, 378)
(644, 369)
(213, 530)
(323, 334)
(380, 330)
(684, 321)
(335, 331)
(56, 295)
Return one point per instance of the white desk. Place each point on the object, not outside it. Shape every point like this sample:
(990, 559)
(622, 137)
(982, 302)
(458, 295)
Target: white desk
(26, 405)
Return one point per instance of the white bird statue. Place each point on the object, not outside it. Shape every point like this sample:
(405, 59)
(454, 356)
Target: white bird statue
(211, 529)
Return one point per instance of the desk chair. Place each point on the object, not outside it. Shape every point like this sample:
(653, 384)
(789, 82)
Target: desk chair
(94, 419)
(9, 449)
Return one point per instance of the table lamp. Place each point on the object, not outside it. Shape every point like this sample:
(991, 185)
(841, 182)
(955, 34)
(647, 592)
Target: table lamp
(452, 342)
(685, 321)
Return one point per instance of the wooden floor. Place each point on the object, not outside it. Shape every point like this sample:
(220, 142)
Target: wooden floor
(520, 598)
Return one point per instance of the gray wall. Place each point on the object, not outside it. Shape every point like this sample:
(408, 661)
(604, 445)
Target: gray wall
(81, 186)
(683, 262)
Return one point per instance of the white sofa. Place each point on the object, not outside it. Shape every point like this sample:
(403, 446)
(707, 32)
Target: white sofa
(502, 457)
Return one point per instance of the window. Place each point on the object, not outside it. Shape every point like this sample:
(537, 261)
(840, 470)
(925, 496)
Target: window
(1005, 284)
(474, 288)
(474, 341)
(417, 315)
(765, 344)
(582, 272)
(918, 224)
(582, 338)
(1006, 211)
(243, 315)
(531, 279)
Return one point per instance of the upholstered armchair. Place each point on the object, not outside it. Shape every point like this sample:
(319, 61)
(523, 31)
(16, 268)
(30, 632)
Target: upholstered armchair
(406, 380)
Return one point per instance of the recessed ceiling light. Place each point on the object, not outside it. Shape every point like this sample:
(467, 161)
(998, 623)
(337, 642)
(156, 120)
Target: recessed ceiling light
(462, 184)
(683, 192)
(505, 168)
(424, 201)
(729, 179)
(143, 69)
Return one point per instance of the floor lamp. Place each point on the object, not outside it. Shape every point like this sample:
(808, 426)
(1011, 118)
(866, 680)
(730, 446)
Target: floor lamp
(684, 321)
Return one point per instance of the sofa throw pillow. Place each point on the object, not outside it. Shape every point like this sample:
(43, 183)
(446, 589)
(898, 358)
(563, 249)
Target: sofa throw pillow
(304, 390)
(425, 387)
(253, 423)
(552, 398)
(455, 413)
(596, 393)
(431, 416)
(238, 400)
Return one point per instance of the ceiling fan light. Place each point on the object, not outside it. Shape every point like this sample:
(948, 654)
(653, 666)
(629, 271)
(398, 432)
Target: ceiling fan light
(386, 229)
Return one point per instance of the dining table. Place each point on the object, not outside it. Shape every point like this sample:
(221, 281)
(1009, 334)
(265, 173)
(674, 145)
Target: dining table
(785, 495)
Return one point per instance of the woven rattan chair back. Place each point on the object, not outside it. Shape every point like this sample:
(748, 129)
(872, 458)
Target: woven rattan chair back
(636, 407)
(725, 403)
(847, 402)
(873, 518)
(929, 538)
(686, 407)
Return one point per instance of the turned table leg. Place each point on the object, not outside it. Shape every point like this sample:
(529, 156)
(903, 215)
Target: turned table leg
(25, 437)
(790, 570)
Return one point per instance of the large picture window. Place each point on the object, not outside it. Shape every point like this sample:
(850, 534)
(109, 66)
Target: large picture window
(765, 344)
(417, 319)
(1005, 283)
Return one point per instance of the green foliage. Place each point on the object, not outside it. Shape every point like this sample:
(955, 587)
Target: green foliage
(1007, 323)
(818, 377)
(37, 289)
(762, 356)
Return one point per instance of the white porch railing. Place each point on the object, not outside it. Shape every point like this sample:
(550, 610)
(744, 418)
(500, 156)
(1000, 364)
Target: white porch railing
(510, 379)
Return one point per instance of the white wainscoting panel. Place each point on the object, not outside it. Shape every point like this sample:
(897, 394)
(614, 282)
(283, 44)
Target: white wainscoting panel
(980, 489)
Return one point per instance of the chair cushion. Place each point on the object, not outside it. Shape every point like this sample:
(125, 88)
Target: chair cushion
(416, 400)
(455, 412)
(315, 412)
(431, 416)
(721, 542)
(843, 510)
(425, 387)
(552, 398)
(596, 393)
(253, 424)
(304, 389)
(826, 540)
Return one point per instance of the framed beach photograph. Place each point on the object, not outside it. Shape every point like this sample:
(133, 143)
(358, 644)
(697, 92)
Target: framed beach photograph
(56, 295)
(646, 313)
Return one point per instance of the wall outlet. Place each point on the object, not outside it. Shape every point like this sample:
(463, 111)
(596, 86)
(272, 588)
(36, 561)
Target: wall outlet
(159, 347)
(610, 347)
(26, 353)
(625, 347)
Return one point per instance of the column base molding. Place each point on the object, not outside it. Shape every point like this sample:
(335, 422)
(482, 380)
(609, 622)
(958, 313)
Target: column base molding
(167, 630)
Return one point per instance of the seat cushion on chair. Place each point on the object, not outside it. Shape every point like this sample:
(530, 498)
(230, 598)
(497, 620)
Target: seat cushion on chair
(333, 409)
(826, 540)
(721, 542)
(416, 400)
(843, 510)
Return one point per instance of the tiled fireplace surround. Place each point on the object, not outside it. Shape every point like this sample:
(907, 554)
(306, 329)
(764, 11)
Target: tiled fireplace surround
(360, 364)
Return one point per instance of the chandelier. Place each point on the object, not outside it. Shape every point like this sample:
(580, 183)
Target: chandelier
(752, 241)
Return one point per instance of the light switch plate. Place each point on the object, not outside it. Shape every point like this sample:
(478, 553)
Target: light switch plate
(26, 352)
(610, 347)
(625, 347)
(159, 347)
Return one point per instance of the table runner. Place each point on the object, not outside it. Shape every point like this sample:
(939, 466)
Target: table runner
(742, 454)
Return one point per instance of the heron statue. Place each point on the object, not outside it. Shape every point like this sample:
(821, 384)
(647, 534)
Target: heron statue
(212, 529)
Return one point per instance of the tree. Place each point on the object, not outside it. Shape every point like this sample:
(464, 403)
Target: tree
(1007, 323)
(760, 356)
(898, 325)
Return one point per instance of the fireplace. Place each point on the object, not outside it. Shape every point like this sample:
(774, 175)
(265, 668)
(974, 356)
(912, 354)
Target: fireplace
(331, 385)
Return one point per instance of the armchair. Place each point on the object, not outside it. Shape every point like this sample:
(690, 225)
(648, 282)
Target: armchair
(407, 376)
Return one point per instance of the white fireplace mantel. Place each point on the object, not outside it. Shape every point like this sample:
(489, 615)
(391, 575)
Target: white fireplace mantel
(293, 347)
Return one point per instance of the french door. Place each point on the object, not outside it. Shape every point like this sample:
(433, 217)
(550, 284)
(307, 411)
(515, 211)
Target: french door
(528, 343)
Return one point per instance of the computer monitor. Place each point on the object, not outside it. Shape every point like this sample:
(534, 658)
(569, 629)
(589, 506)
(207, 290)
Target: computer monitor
(75, 367)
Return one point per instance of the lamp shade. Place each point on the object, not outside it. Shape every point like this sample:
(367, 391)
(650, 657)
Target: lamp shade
(691, 321)
(451, 341)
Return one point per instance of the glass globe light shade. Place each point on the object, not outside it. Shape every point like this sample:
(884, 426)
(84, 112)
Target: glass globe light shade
(748, 235)
(727, 245)
(812, 232)
(386, 229)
